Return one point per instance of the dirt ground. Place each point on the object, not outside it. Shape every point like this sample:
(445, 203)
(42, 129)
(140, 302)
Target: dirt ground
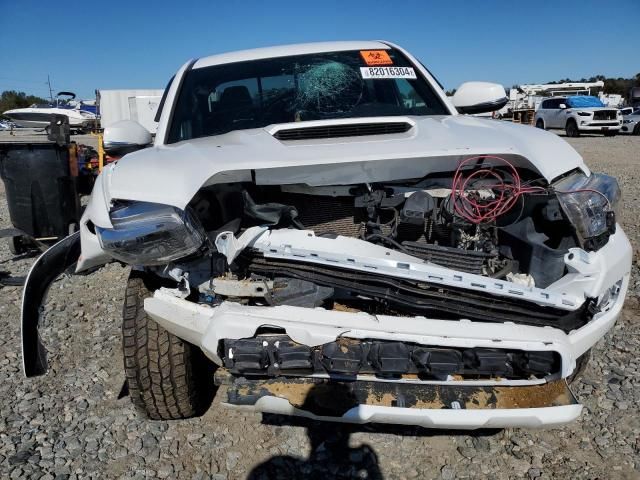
(71, 423)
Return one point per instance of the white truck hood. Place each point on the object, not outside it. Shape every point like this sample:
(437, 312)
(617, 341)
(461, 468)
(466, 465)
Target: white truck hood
(172, 174)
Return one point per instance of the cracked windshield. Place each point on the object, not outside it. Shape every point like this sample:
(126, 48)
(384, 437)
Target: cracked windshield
(221, 98)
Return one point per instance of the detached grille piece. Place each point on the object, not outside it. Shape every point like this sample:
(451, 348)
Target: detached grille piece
(347, 130)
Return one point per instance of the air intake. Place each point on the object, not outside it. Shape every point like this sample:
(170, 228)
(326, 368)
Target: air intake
(342, 130)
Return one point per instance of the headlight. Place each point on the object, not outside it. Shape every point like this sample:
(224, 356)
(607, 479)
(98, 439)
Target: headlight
(627, 121)
(590, 203)
(584, 114)
(149, 234)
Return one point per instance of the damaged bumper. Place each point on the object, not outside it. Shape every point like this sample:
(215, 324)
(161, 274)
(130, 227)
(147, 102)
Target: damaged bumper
(430, 406)
(542, 402)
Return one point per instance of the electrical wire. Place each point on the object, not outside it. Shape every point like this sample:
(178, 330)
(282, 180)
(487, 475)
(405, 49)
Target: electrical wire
(468, 204)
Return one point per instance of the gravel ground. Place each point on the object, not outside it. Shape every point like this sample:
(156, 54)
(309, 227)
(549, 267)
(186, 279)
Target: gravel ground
(71, 424)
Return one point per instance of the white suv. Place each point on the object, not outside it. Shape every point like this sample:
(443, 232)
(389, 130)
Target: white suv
(578, 114)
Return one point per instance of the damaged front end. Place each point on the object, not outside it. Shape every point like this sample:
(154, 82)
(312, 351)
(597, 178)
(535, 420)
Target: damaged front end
(400, 301)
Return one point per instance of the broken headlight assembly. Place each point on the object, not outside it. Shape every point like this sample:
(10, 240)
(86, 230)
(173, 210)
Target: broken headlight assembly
(148, 234)
(590, 204)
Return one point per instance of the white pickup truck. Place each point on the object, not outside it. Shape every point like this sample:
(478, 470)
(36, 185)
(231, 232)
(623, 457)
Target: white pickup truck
(578, 114)
(322, 227)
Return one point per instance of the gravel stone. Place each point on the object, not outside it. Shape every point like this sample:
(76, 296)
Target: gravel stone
(71, 424)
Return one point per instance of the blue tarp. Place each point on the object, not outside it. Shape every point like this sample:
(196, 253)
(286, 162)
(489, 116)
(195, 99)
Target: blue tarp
(584, 101)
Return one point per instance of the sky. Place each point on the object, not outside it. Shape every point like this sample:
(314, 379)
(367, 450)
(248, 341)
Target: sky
(84, 45)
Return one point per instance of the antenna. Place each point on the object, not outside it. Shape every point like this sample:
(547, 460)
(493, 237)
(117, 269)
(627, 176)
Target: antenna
(50, 91)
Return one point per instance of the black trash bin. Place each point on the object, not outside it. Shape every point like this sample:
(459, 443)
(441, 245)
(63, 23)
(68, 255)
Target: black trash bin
(41, 191)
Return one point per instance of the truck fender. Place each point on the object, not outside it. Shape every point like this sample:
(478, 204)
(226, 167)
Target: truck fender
(44, 271)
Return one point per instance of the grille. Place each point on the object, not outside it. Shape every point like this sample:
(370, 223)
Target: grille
(605, 115)
(325, 215)
(348, 130)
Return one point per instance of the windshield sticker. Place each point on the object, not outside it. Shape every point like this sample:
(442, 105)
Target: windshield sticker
(388, 72)
(376, 57)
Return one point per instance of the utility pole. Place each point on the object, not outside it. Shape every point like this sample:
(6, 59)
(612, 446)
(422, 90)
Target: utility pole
(50, 91)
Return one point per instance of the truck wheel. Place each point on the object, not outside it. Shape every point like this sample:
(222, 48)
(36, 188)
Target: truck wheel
(572, 129)
(540, 124)
(168, 378)
(581, 365)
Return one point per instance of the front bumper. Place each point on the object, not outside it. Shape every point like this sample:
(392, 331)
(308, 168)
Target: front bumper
(430, 406)
(207, 326)
(604, 126)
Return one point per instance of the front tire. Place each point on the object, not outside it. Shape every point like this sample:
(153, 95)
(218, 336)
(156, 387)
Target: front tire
(572, 129)
(168, 378)
(540, 124)
(636, 129)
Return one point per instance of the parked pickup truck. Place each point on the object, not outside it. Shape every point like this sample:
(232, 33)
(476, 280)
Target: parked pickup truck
(319, 231)
(578, 114)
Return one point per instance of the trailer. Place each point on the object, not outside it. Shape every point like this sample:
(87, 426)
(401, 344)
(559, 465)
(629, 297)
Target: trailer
(140, 105)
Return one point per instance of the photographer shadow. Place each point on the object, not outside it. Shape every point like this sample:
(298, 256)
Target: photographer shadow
(330, 455)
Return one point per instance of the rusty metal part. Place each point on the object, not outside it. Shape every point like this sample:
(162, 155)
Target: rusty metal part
(326, 397)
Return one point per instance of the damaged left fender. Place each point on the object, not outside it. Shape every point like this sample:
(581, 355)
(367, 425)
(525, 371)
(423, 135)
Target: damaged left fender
(44, 271)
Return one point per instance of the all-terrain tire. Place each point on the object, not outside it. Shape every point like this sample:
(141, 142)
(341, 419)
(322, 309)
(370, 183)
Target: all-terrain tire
(540, 124)
(166, 376)
(571, 129)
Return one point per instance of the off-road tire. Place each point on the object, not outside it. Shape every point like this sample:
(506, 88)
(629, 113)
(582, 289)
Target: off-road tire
(571, 129)
(540, 124)
(167, 377)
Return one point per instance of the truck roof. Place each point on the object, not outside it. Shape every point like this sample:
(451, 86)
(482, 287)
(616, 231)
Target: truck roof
(287, 50)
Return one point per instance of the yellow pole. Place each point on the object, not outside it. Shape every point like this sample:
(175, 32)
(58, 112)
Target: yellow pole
(100, 153)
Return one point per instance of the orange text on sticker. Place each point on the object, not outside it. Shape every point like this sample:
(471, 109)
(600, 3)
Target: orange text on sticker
(376, 57)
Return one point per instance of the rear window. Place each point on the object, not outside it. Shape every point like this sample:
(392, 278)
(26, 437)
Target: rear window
(221, 98)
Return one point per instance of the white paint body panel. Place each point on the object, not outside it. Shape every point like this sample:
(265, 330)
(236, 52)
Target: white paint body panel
(433, 143)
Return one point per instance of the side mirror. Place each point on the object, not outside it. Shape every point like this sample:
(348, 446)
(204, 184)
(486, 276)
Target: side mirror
(562, 106)
(124, 137)
(479, 97)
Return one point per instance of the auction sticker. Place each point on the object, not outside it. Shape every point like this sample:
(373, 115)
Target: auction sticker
(376, 57)
(388, 72)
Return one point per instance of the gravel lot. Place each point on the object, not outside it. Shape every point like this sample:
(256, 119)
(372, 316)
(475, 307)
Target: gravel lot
(71, 424)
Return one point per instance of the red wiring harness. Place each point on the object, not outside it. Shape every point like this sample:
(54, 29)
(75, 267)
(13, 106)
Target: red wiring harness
(484, 175)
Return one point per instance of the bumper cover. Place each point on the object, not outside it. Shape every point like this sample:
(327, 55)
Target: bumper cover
(431, 406)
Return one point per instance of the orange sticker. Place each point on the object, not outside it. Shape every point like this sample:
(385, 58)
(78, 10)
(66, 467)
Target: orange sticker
(376, 57)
